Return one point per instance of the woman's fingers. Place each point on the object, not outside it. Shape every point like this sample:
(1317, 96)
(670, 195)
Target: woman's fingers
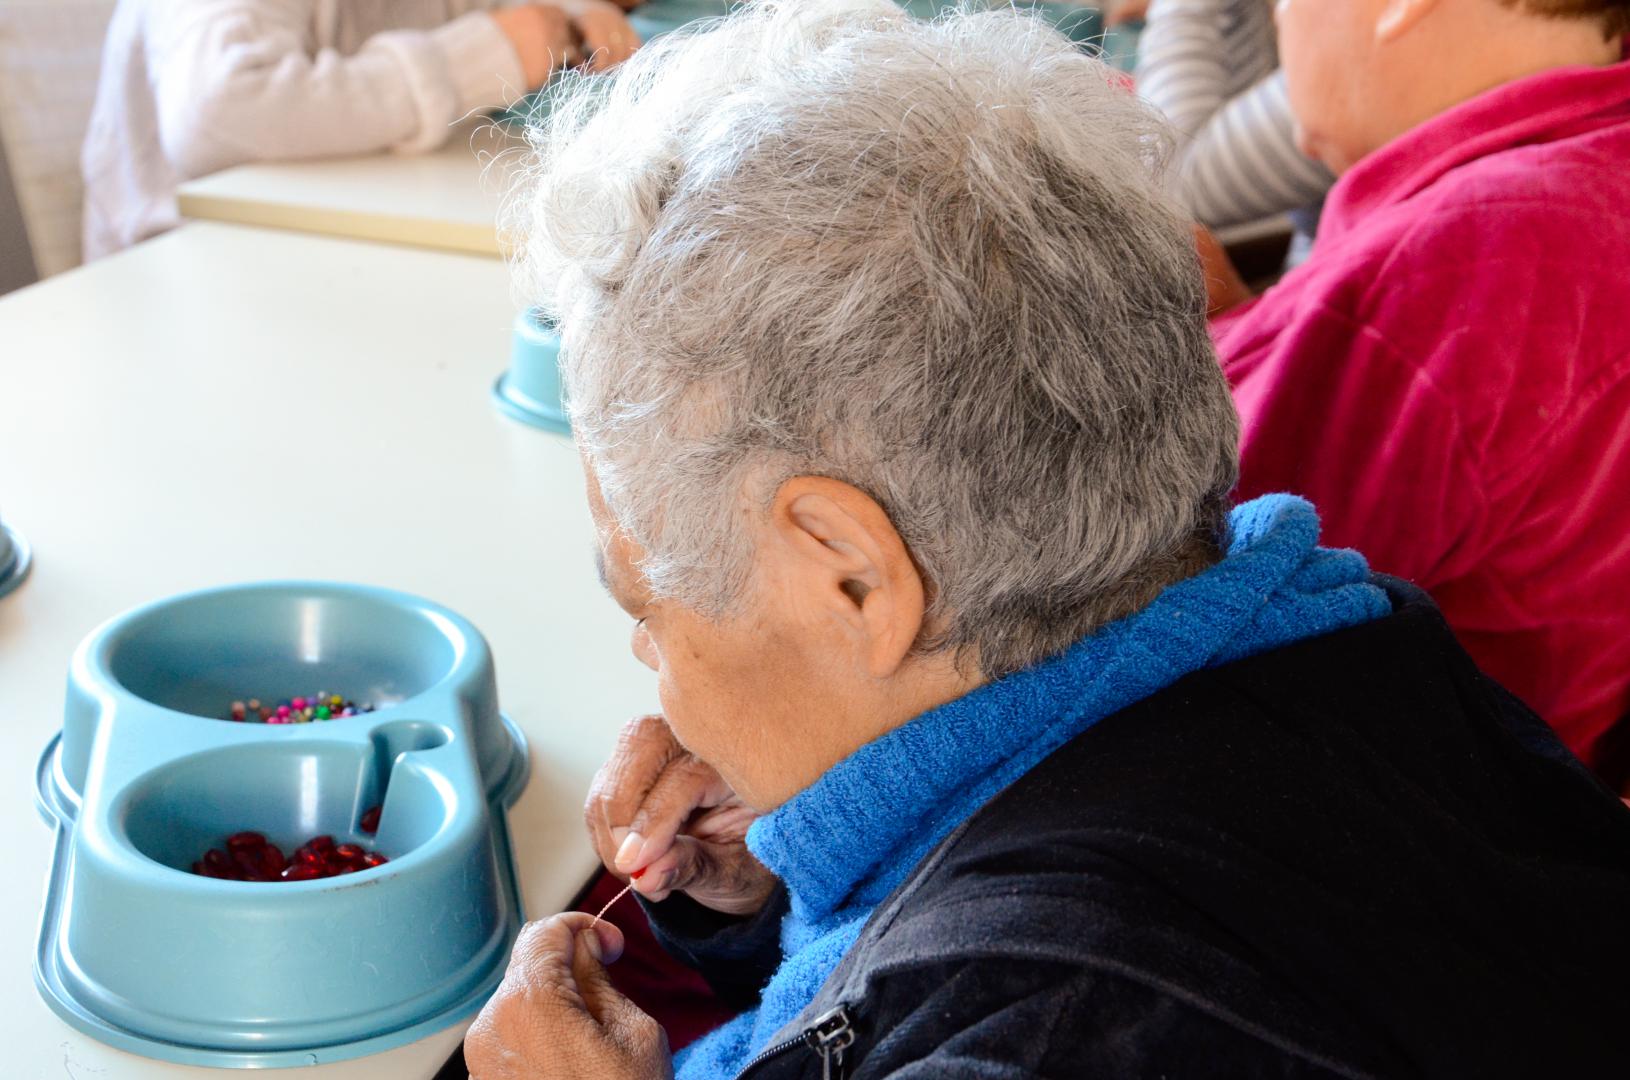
(723, 876)
(1126, 11)
(541, 36)
(608, 37)
(645, 747)
(661, 817)
(685, 786)
(646, 793)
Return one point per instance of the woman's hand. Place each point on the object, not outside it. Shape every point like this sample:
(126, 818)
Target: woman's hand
(541, 37)
(1224, 287)
(1125, 11)
(566, 33)
(605, 35)
(663, 817)
(556, 1016)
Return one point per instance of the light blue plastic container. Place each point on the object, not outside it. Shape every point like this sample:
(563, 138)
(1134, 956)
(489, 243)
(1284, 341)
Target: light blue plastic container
(529, 391)
(15, 558)
(137, 951)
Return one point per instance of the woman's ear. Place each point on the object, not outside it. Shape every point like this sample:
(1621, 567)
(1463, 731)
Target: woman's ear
(1398, 17)
(846, 561)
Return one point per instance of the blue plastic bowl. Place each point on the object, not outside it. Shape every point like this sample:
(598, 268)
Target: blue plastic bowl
(14, 558)
(139, 952)
(530, 390)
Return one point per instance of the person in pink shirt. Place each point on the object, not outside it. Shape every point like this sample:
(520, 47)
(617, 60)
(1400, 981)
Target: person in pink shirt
(1448, 376)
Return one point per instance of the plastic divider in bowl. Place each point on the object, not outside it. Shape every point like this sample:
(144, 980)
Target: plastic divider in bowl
(140, 952)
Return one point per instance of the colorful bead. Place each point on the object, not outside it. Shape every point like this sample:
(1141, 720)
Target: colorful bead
(298, 710)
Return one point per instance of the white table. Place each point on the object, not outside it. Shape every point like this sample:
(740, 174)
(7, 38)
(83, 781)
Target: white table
(154, 404)
(447, 199)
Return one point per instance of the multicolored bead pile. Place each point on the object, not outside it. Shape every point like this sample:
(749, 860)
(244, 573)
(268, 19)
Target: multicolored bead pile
(301, 710)
(249, 856)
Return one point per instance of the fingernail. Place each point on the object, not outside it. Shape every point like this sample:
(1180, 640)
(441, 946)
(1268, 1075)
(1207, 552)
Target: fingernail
(618, 833)
(591, 942)
(628, 852)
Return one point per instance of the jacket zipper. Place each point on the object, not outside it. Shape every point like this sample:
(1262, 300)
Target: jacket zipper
(829, 1036)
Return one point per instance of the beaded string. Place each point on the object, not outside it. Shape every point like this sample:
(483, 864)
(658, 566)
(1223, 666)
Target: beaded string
(607, 908)
(635, 876)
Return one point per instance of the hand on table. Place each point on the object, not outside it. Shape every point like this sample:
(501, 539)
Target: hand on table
(566, 33)
(1125, 11)
(658, 811)
(556, 1016)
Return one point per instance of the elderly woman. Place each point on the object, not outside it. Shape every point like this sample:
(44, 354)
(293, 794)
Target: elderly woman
(1448, 376)
(992, 744)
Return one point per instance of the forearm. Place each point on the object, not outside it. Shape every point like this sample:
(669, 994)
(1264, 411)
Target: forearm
(1210, 67)
(238, 82)
(1183, 66)
(1244, 163)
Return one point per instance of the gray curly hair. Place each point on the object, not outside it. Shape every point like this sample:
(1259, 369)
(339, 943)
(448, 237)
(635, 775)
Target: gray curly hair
(929, 259)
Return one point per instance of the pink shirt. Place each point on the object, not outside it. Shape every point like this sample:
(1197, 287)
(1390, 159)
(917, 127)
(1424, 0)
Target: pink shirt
(1448, 378)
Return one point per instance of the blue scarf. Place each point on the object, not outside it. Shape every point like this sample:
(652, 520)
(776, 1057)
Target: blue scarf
(845, 842)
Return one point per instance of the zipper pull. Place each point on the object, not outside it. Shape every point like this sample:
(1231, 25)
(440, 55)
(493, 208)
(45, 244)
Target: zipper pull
(830, 1035)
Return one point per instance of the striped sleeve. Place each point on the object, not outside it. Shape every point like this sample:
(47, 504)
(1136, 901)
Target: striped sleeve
(1211, 67)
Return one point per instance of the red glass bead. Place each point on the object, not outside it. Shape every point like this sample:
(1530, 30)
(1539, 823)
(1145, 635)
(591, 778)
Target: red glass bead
(249, 856)
(370, 821)
(217, 864)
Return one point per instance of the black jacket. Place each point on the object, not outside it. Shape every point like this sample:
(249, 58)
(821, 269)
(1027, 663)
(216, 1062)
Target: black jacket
(1353, 856)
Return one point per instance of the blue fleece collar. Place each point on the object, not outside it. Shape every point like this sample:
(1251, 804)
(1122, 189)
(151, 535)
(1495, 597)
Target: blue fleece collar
(855, 833)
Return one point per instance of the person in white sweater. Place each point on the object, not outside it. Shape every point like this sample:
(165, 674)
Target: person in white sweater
(189, 87)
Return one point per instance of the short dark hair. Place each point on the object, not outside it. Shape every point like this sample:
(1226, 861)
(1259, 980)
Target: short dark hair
(1614, 15)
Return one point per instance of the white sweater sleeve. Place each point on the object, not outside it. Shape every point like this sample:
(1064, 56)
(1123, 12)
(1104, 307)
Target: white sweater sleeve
(1211, 67)
(243, 80)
